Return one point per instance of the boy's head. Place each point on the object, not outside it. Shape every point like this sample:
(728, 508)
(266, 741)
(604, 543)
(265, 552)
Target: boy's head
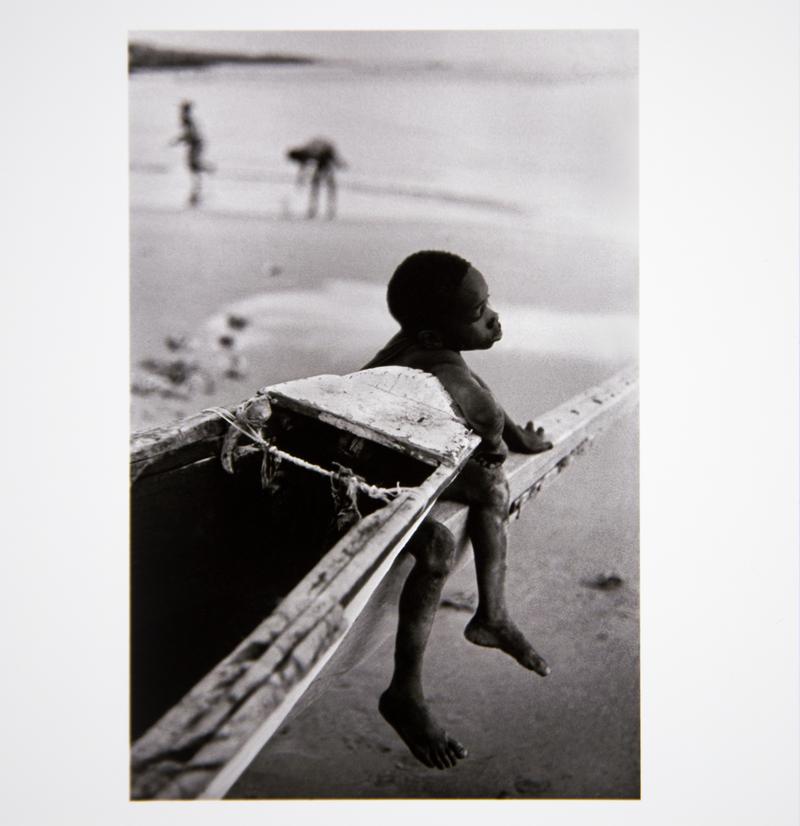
(443, 301)
(297, 155)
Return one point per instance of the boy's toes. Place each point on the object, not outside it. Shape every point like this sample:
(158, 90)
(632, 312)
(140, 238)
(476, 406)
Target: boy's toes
(456, 750)
(424, 757)
(449, 752)
(447, 761)
(538, 665)
(528, 658)
(439, 758)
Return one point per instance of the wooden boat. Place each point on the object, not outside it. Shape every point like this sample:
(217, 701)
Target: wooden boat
(251, 586)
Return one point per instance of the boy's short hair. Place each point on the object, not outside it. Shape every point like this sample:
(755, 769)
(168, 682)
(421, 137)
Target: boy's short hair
(421, 288)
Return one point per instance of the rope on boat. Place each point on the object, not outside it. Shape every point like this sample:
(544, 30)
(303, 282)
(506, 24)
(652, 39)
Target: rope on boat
(341, 479)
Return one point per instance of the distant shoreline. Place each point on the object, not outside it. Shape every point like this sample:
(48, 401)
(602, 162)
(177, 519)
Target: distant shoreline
(142, 56)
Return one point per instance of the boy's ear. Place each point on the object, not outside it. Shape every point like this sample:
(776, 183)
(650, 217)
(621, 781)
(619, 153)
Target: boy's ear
(430, 339)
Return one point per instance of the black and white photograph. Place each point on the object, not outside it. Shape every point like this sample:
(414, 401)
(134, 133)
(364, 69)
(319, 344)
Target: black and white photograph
(402, 413)
(383, 296)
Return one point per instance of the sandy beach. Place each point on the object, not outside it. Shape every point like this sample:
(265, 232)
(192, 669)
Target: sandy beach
(562, 335)
(307, 297)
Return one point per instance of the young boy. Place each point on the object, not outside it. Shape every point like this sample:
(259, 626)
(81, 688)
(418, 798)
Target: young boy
(442, 304)
(190, 135)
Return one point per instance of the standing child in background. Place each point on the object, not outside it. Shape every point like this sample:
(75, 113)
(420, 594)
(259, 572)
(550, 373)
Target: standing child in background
(442, 304)
(190, 135)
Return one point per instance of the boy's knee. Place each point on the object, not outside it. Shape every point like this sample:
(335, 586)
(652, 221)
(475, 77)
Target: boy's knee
(493, 490)
(434, 547)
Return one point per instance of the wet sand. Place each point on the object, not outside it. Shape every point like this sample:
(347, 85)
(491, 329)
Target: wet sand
(572, 299)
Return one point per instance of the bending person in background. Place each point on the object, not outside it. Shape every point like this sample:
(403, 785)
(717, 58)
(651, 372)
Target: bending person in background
(190, 135)
(320, 154)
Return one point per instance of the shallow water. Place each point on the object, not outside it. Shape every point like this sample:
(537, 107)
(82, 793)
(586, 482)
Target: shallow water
(415, 141)
(531, 179)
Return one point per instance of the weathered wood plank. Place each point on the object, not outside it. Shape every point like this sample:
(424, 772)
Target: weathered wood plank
(147, 445)
(261, 705)
(404, 409)
(399, 407)
(569, 426)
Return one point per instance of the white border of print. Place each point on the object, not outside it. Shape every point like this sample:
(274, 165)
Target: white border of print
(719, 138)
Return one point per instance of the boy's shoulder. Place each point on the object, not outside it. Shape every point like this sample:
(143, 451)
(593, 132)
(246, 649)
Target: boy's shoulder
(447, 365)
(433, 360)
(403, 351)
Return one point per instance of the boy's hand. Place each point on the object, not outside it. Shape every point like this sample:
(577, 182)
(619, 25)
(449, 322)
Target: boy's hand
(527, 439)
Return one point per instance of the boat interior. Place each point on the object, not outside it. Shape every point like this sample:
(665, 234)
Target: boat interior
(214, 553)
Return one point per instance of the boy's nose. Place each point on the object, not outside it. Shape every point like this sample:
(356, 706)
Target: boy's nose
(494, 319)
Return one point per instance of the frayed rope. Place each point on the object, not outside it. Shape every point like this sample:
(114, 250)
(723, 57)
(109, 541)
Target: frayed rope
(343, 480)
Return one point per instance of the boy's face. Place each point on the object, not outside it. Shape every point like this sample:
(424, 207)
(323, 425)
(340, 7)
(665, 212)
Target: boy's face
(471, 323)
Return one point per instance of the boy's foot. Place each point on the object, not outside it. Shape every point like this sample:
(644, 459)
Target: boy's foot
(428, 742)
(507, 637)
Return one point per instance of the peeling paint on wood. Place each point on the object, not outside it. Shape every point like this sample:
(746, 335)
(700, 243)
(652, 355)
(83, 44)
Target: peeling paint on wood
(399, 407)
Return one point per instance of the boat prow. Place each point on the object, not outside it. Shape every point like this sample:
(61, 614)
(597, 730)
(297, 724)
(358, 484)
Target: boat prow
(396, 423)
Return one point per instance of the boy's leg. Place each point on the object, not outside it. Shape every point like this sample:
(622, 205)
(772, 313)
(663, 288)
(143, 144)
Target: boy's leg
(331, 182)
(485, 490)
(403, 703)
(194, 195)
(313, 195)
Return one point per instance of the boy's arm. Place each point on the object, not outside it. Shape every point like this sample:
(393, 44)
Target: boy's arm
(301, 174)
(476, 403)
(528, 439)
